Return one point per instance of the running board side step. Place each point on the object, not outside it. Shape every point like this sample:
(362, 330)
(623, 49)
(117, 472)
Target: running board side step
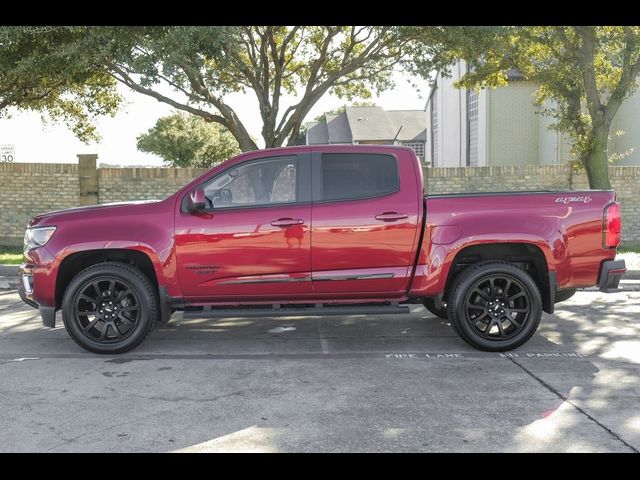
(292, 311)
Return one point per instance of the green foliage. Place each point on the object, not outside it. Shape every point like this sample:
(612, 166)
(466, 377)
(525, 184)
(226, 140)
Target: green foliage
(188, 141)
(202, 65)
(41, 70)
(10, 255)
(584, 74)
(194, 69)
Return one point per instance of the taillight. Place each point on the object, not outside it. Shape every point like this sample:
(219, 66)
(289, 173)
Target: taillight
(612, 226)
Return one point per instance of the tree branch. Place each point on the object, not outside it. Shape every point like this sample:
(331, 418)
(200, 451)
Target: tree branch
(124, 78)
(232, 122)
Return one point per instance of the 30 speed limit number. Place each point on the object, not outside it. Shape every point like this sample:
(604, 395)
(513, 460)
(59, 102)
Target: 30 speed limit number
(7, 153)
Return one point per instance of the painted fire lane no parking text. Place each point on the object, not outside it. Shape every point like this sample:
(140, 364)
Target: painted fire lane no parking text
(449, 355)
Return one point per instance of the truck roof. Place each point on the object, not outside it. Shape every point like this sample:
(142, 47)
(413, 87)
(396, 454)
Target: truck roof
(337, 147)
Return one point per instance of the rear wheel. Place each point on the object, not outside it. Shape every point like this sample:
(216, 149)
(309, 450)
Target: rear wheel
(430, 305)
(109, 308)
(494, 306)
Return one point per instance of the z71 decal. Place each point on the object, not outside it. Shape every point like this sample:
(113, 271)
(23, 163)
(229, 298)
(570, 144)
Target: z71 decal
(566, 200)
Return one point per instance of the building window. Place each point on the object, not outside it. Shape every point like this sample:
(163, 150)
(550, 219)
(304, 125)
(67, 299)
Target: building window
(434, 127)
(418, 147)
(472, 128)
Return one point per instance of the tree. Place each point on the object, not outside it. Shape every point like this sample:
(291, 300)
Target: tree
(188, 141)
(202, 65)
(38, 72)
(194, 69)
(587, 72)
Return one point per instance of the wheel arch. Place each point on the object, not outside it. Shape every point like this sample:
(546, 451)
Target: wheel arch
(75, 262)
(528, 256)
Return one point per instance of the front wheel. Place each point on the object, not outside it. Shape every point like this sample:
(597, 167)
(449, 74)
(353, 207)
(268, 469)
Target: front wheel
(494, 306)
(109, 308)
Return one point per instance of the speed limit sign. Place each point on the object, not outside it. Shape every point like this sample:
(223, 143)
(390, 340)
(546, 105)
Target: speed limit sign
(7, 153)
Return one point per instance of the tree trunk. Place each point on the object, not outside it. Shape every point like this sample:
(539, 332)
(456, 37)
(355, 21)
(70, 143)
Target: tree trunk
(245, 142)
(595, 160)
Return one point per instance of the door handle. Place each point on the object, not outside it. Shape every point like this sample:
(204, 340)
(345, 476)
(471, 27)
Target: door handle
(391, 216)
(287, 222)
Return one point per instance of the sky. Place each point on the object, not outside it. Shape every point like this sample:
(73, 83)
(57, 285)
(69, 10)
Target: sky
(55, 143)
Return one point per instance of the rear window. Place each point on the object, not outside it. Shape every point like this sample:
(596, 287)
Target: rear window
(358, 175)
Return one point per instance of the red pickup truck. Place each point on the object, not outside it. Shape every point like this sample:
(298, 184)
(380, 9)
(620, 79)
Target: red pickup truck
(322, 230)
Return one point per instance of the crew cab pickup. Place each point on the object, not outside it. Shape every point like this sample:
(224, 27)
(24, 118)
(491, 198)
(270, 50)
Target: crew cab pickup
(320, 230)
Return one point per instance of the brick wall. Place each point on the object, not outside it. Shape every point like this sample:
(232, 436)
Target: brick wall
(624, 180)
(502, 178)
(27, 189)
(120, 184)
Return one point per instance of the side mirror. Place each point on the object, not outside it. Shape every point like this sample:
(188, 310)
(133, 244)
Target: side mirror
(196, 200)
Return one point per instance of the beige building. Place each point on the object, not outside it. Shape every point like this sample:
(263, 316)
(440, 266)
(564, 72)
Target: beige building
(501, 127)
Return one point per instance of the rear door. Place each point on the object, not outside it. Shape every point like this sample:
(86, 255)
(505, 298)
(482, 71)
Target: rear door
(365, 221)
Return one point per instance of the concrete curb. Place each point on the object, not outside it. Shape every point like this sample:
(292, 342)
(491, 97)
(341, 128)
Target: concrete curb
(8, 270)
(631, 275)
(9, 283)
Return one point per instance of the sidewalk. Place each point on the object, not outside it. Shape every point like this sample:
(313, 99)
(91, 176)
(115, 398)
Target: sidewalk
(9, 283)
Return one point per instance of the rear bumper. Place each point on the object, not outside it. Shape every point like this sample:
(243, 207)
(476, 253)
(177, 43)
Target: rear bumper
(610, 275)
(25, 290)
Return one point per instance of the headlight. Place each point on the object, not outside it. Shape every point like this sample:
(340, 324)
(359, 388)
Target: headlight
(37, 237)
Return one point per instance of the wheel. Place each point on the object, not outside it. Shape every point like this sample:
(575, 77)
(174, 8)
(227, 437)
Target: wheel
(109, 308)
(494, 306)
(564, 295)
(430, 305)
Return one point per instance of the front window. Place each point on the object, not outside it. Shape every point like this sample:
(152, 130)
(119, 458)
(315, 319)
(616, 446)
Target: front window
(262, 182)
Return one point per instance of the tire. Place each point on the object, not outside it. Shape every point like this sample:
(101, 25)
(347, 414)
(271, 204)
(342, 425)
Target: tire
(430, 305)
(109, 308)
(564, 295)
(487, 316)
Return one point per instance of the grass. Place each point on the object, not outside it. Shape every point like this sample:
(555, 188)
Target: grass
(629, 249)
(10, 255)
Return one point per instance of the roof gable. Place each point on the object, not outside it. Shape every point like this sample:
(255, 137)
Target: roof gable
(338, 128)
(413, 123)
(369, 123)
(361, 124)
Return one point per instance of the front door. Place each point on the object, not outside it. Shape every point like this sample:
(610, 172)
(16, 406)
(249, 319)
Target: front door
(366, 214)
(253, 239)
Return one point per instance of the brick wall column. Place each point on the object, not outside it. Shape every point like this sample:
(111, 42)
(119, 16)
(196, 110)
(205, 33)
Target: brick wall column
(88, 178)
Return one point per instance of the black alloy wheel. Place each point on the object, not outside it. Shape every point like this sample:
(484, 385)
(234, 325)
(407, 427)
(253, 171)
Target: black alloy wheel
(109, 307)
(497, 306)
(106, 309)
(494, 306)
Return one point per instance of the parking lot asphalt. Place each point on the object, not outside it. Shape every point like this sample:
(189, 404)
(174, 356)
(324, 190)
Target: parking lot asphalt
(333, 384)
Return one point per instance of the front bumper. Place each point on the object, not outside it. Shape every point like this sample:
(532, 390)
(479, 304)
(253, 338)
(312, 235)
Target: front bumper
(610, 274)
(25, 290)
